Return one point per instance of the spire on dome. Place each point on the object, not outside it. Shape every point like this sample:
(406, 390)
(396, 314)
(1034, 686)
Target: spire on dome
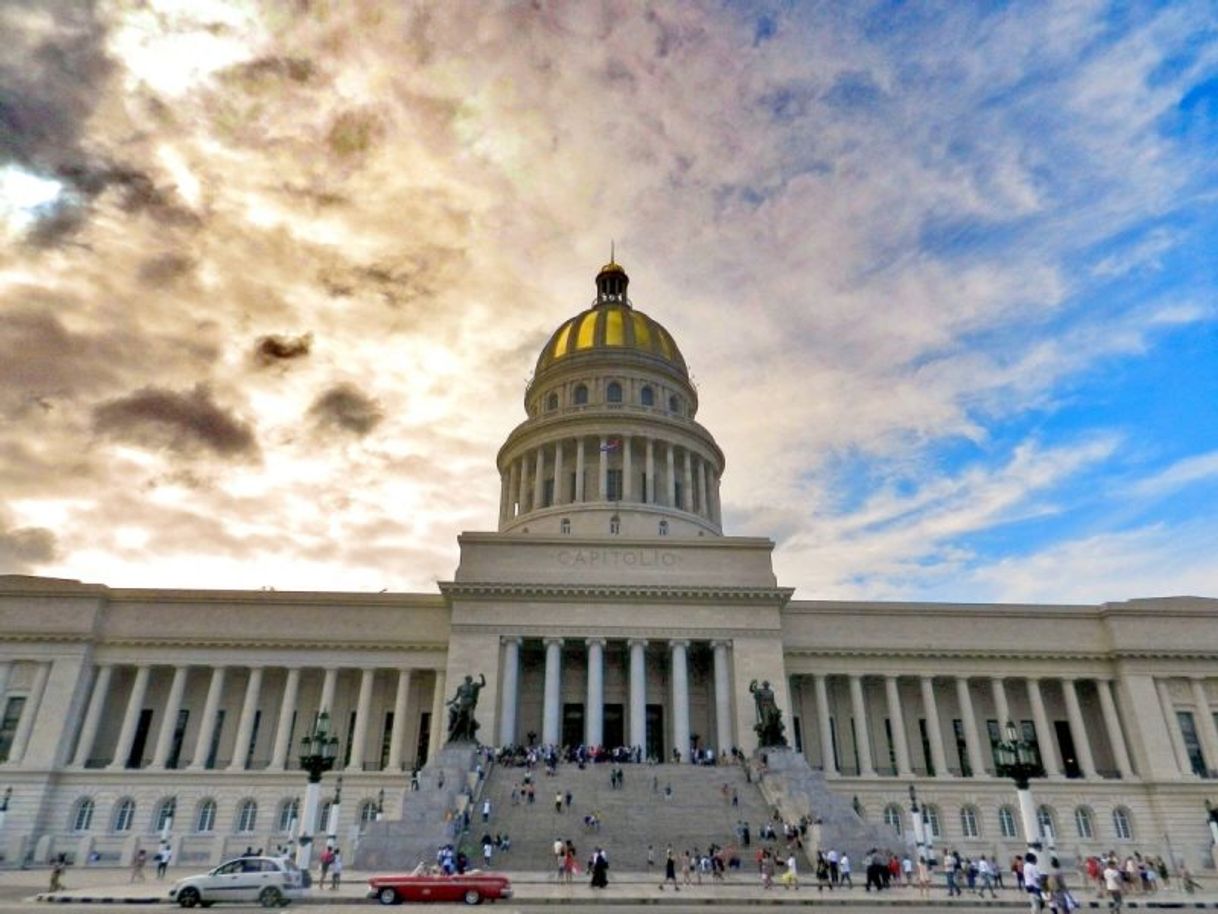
(611, 282)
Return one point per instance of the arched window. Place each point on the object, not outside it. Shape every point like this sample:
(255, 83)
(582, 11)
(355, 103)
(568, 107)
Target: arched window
(1082, 821)
(164, 814)
(82, 815)
(932, 819)
(1006, 822)
(892, 816)
(367, 813)
(1044, 821)
(615, 524)
(581, 395)
(552, 402)
(1121, 825)
(247, 817)
(674, 404)
(968, 822)
(289, 812)
(124, 814)
(613, 393)
(564, 525)
(647, 396)
(205, 818)
(663, 528)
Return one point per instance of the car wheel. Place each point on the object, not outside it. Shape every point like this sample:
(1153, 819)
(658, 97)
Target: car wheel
(387, 896)
(188, 897)
(270, 897)
(472, 897)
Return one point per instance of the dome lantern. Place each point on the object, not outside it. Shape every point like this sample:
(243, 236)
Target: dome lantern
(611, 283)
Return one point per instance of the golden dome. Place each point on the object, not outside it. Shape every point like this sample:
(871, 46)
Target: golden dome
(607, 327)
(612, 267)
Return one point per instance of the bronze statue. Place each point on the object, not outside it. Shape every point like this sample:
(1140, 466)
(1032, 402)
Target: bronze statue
(462, 728)
(769, 727)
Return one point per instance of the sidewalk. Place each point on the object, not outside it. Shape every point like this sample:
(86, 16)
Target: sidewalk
(112, 886)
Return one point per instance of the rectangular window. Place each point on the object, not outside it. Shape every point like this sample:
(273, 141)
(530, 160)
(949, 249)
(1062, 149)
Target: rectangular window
(8, 724)
(1027, 731)
(144, 723)
(571, 489)
(643, 490)
(386, 740)
(994, 732)
(214, 749)
(799, 739)
(613, 485)
(179, 737)
(291, 735)
(350, 738)
(1192, 744)
(547, 493)
(249, 752)
(924, 733)
(837, 761)
(424, 737)
(854, 740)
(892, 746)
(679, 495)
(966, 769)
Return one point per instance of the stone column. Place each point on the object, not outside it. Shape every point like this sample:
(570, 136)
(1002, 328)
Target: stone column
(603, 470)
(937, 756)
(283, 727)
(688, 500)
(539, 479)
(439, 726)
(505, 496)
(328, 686)
(401, 711)
(25, 726)
(1205, 723)
(579, 469)
(126, 735)
(897, 722)
(703, 503)
(1112, 723)
(1078, 729)
(594, 718)
(363, 711)
(1001, 707)
(723, 698)
(828, 761)
(627, 470)
(169, 721)
(560, 497)
(245, 727)
(1173, 728)
(715, 498)
(672, 475)
(680, 698)
(551, 716)
(649, 495)
(511, 690)
(522, 490)
(207, 726)
(1044, 735)
(97, 701)
(638, 691)
(972, 740)
(862, 733)
(6, 668)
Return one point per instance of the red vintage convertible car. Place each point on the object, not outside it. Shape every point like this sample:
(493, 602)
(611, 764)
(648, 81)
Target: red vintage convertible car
(472, 887)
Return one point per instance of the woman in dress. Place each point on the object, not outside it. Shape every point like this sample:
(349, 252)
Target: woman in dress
(600, 869)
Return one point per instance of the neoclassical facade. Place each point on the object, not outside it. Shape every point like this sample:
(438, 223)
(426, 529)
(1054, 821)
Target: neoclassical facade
(608, 608)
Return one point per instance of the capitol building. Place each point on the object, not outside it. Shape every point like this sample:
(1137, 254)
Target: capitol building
(610, 608)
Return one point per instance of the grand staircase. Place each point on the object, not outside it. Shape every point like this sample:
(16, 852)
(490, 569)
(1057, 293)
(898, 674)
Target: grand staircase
(696, 814)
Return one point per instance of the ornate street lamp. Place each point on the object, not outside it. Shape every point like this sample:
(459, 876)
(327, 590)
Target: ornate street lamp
(318, 750)
(1016, 758)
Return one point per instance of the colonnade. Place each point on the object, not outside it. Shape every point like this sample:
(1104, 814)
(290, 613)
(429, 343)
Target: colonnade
(594, 694)
(977, 749)
(661, 473)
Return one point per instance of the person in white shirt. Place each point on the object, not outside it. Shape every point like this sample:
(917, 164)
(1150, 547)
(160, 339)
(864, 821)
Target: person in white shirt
(1031, 882)
(843, 869)
(986, 876)
(907, 869)
(1112, 885)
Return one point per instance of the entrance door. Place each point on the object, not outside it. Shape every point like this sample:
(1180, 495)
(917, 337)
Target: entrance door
(615, 726)
(655, 731)
(1065, 742)
(572, 725)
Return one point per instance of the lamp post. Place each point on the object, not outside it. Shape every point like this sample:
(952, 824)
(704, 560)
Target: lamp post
(1211, 813)
(919, 827)
(1015, 758)
(317, 753)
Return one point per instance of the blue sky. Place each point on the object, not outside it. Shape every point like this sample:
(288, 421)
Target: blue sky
(944, 275)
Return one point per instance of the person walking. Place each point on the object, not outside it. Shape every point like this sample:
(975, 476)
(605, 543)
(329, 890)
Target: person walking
(790, 876)
(163, 856)
(600, 869)
(137, 865)
(670, 870)
(1112, 885)
(843, 871)
(986, 877)
(336, 869)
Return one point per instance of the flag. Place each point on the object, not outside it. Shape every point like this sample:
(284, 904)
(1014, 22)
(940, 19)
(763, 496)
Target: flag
(613, 444)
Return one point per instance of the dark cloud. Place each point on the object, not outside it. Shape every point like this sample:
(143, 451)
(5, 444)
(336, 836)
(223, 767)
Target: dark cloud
(165, 268)
(353, 133)
(40, 357)
(186, 422)
(21, 549)
(295, 69)
(396, 282)
(345, 407)
(274, 349)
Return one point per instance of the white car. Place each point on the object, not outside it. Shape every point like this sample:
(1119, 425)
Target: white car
(266, 880)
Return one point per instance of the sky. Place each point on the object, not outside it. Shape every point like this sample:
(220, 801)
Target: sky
(274, 275)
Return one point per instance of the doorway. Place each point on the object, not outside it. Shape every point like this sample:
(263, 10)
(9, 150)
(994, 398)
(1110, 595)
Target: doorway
(1065, 742)
(655, 732)
(572, 724)
(615, 726)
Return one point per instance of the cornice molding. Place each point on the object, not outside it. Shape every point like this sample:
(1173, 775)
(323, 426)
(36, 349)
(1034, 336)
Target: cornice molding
(983, 654)
(619, 592)
(580, 633)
